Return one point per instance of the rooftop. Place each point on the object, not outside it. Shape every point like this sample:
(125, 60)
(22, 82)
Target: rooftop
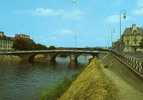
(133, 30)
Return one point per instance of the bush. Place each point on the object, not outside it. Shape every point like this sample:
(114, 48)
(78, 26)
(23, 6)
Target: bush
(52, 47)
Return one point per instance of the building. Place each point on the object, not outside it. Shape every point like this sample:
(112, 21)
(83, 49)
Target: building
(1, 34)
(132, 38)
(20, 35)
(6, 43)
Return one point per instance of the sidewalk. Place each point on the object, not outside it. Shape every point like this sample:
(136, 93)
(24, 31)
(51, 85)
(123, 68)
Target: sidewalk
(125, 90)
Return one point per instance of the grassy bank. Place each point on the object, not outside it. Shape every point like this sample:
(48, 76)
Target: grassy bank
(55, 92)
(11, 59)
(8, 59)
(91, 84)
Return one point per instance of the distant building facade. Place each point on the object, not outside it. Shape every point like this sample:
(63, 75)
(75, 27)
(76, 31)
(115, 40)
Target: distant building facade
(21, 35)
(6, 43)
(1, 34)
(131, 38)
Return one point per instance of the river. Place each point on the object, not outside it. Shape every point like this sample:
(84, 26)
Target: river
(26, 82)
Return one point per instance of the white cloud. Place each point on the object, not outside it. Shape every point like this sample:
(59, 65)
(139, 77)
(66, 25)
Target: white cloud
(47, 12)
(140, 3)
(62, 34)
(112, 19)
(138, 11)
(67, 32)
(117, 2)
(75, 14)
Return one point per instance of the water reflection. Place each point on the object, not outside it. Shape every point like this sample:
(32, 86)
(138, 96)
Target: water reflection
(25, 82)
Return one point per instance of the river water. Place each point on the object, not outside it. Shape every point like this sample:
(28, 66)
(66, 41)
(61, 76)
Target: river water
(27, 82)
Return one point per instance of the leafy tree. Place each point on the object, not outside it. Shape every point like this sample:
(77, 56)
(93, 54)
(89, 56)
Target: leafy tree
(52, 47)
(23, 44)
(39, 47)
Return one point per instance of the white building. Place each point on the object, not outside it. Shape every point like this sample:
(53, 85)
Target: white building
(132, 38)
(6, 43)
(21, 35)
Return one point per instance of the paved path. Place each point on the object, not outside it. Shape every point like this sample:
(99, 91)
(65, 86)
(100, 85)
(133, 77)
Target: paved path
(129, 85)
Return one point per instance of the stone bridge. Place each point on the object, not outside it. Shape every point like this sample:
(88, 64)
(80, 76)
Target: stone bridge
(28, 56)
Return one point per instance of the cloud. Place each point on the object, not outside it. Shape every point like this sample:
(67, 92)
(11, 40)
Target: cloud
(117, 2)
(138, 11)
(62, 34)
(47, 12)
(75, 14)
(67, 32)
(139, 3)
(112, 19)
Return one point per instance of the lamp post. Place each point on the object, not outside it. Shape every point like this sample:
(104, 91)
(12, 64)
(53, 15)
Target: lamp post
(74, 1)
(122, 16)
(75, 4)
(112, 32)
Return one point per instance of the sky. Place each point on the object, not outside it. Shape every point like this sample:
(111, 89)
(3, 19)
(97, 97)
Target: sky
(69, 23)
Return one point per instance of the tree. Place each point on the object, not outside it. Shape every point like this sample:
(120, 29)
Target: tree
(52, 47)
(23, 44)
(39, 47)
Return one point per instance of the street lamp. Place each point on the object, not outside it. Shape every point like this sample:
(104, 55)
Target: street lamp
(122, 16)
(75, 3)
(112, 32)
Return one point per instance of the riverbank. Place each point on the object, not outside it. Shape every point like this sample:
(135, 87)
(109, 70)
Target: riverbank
(10, 59)
(59, 88)
(91, 84)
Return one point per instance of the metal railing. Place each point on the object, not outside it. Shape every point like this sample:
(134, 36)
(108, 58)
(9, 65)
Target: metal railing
(131, 62)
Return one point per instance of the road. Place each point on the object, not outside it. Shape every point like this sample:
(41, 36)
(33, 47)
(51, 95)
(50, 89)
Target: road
(129, 85)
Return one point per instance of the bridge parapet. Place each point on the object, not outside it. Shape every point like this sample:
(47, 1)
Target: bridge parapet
(28, 56)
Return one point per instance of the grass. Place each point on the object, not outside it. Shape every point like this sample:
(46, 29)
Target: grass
(57, 90)
(5, 59)
(91, 84)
